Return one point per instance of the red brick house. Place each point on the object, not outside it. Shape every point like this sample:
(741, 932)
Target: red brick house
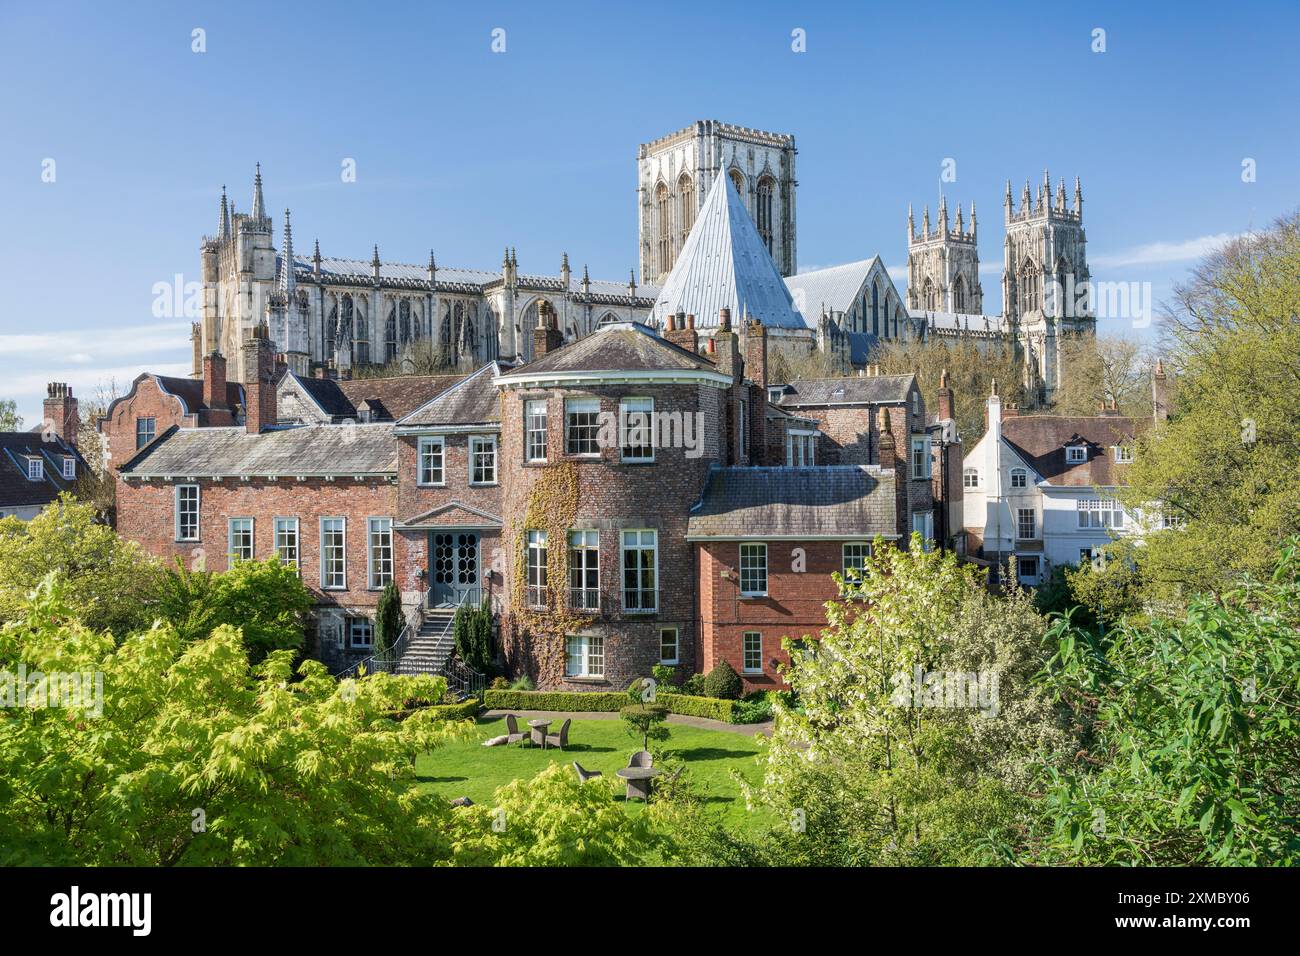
(39, 465)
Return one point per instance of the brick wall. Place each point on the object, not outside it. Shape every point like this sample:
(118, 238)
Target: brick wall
(147, 401)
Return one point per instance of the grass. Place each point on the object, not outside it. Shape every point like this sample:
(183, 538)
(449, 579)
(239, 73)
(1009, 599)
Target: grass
(467, 768)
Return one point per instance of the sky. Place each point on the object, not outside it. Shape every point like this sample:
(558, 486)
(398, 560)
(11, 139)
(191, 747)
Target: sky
(117, 137)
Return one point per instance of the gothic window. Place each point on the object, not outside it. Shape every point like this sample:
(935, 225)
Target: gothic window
(345, 320)
(1060, 295)
(875, 308)
(330, 325)
(738, 180)
(686, 208)
(444, 334)
(930, 298)
(458, 322)
(390, 336)
(663, 227)
(404, 321)
(1029, 288)
(959, 295)
(764, 210)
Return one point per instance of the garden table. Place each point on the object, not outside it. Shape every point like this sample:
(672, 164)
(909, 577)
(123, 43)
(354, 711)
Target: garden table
(539, 728)
(638, 781)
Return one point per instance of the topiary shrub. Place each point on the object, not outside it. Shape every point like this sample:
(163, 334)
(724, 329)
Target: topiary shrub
(723, 682)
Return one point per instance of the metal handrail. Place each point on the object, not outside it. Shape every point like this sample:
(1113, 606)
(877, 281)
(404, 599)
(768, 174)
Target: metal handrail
(384, 662)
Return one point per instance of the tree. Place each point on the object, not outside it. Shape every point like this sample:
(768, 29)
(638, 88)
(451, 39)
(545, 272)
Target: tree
(420, 358)
(389, 619)
(918, 729)
(1224, 471)
(10, 420)
(1193, 756)
(96, 484)
(645, 720)
(971, 373)
(1102, 372)
(472, 630)
(197, 757)
(789, 365)
(723, 682)
(107, 579)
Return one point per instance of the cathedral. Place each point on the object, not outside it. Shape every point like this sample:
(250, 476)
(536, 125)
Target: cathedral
(716, 228)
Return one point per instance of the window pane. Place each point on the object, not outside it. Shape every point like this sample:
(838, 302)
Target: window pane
(381, 551)
(535, 424)
(636, 429)
(753, 569)
(581, 427)
(431, 461)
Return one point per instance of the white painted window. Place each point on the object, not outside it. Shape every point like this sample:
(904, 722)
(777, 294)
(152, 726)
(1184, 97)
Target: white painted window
(581, 426)
(239, 540)
(1019, 477)
(636, 429)
(35, 469)
(584, 570)
(333, 554)
(1123, 455)
(187, 512)
(69, 467)
(774, 395)
(537, 587)
(920, 457)
(584, 655)
(752, 650)
(923, 522)
(1026, 524)
(361, 633)
(535, 426)
(970, 478)
(801, 449)
(381, 552)
(640, 571)
(286, 540)
(753, 570)
(1075, 454)
(432, 452)
(668, 645)
(483, 460)
(1100, 513)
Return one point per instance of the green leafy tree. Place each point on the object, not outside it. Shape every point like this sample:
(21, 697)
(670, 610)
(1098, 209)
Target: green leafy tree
(1192, 755)
(1102, 371)
(646, 721)
(472, 631)
(389, 619)
(10, 420)
(108, 580)
(723, 682)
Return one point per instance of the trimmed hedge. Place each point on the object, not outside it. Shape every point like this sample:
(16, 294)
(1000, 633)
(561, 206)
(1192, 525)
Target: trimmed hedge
(466, 710)
(575, 701)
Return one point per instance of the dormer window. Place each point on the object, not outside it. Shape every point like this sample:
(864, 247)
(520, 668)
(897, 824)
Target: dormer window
(35, 469)
(69, 467)
(774, 395)
(1076, 454)
(1123, 455)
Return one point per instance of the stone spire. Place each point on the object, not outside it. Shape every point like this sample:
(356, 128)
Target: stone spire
(911, 223)
(259, 205)
(374, 263)
(586, 280)
(433, 268)
(972, 219)
(286, 260)
(223, 223)
(1078, 196)
(315, 259)
(631, 283)
(564, 271)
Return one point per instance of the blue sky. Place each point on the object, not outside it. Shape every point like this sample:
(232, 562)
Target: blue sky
(467, 151)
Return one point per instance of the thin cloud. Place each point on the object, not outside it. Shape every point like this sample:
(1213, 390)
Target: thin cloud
(1156, 253)
(90, 345)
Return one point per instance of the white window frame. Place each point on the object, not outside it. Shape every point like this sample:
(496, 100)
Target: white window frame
(1020, 524)
(1022, 474)
(632, 405)
(198, 500)
(476, 442)
(1123, 454)
(535, 565)
(676, 645)
(377, 580)
(532, 430)
(970, 477)
(1076, 454)
(639, 546)
(584, 544)
(753, 566)
(231, 556)
(69, 467)
(35, 469)
(351, 622)
(423, 451)
(1098, 514)
(920, 457)
(343, 547)
(589, 657)
(279, 527)
(801, 448)
(582, 406)
(746, 650)
(923, 521)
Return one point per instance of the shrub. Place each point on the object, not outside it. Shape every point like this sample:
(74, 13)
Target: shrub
(514, 699)
(522, 683)
(644, 721)
(388, 619)
(709, 707)
(499, 683)
(665, 675)
(693, 685)
(472, 628)
(723, 682)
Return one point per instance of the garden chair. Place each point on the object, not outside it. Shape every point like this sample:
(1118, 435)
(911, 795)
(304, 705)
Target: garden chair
(512, 731)
(561, 739)
(583, 774)
(641, 758)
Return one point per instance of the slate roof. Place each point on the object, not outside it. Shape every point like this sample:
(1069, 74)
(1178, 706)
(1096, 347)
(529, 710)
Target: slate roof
(474, 400)
(388, 398)
(958, 321)
(1041, 441)
(188, 390)
(835, 287)
(847, 390)
(321, 450)
(836, 501)
(724, 263)
(616, 347)
(16, 490)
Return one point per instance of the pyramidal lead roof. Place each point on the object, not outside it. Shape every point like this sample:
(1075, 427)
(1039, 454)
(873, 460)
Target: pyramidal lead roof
(724, 264)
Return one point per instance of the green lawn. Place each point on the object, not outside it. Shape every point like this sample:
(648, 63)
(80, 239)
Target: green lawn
(467, 768)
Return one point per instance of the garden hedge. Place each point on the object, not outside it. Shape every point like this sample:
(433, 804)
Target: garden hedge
(466, 710)
(606, 702)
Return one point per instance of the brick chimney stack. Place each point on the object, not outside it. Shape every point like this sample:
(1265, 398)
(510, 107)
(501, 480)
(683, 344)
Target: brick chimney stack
(61, 415)
(728, 347)
(546, 337)
(756, 352)
(681, 332)
(259, 380)
(945, 397)
(214, 380)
